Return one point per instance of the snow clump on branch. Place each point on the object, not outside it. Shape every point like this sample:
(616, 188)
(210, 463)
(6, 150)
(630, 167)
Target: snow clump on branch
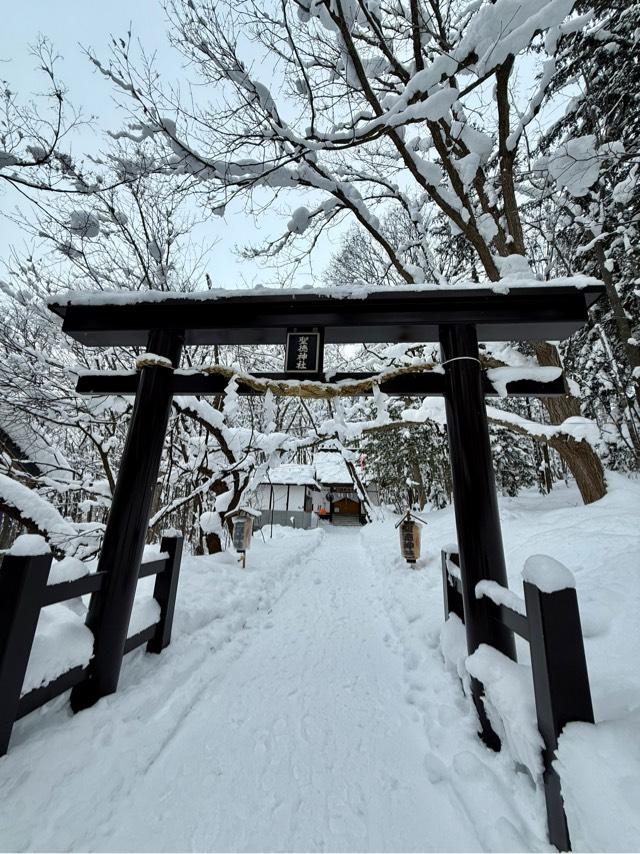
(84, 224)
(299, 221)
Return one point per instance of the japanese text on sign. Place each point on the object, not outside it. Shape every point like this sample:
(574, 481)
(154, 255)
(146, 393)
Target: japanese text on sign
(304, 352)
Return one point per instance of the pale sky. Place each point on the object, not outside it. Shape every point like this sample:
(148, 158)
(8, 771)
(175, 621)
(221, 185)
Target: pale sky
(73, 24)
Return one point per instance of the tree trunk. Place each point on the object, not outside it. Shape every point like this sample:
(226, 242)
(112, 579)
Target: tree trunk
(547, 475)
(632, 350)
(214, 544)
(416, 476)
(582, 460)
(360, 490)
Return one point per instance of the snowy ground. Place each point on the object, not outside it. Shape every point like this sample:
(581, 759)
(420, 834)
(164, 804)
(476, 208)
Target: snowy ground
(305, 704)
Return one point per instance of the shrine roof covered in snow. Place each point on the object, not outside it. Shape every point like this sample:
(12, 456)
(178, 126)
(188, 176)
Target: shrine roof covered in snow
(504, 311)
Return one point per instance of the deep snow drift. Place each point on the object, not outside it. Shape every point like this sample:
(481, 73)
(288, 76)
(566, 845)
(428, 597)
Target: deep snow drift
(306, 704)
(600, 545)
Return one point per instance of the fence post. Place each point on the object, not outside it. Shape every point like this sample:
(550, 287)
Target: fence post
(164, 592)
(453, 603)
(561, 685)
(23, 580)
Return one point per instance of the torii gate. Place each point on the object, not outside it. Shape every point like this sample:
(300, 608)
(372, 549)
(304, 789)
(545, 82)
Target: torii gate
(456, 318)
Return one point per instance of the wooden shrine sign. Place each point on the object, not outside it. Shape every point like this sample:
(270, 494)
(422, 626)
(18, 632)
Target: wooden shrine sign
(304, 352)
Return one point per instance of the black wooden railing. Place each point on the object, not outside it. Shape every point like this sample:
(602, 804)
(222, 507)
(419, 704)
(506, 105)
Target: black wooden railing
(24, 591)
(559, 669)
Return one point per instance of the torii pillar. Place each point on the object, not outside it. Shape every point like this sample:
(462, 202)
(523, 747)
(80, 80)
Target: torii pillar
(128, 520)
(474, 498)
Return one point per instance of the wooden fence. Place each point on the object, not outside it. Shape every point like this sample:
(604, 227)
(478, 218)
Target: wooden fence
(552, 628)
(24, 591)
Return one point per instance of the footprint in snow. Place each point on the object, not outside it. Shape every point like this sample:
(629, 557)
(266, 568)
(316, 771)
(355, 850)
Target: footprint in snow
(436, 769)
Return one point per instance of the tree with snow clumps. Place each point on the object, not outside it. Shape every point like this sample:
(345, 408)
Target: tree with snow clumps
(135, 236)
(35, 134)
(372, 106)
(596, 224)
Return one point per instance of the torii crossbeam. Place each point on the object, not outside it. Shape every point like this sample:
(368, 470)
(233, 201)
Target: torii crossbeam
(454, 317)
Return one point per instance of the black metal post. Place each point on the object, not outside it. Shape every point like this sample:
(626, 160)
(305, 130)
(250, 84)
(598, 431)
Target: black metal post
(164, 592)
(22, 584)
(561, 686)
(126, 531)
(474, 496)
(453, 603)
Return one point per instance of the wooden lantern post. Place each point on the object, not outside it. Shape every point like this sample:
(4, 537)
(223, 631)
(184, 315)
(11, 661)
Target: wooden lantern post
(242, 529)
(410, 539)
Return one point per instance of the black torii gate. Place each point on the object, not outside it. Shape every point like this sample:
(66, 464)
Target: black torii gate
(455, 318)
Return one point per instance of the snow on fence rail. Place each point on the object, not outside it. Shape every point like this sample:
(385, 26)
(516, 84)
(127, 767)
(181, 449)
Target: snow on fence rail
(25, 591)
(549, 620)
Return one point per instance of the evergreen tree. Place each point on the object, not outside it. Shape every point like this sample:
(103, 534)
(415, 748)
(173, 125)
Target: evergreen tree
(410, 463)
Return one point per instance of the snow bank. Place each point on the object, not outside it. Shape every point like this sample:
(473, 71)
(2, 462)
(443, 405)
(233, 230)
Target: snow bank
(62, 641)
(56, 759)
(510, 704)
(453, 643)
(599, 765)
(600, 771)
(152, 551)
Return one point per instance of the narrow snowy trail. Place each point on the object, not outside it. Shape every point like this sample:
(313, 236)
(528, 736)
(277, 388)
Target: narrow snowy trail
(314, 702)
(306, 744)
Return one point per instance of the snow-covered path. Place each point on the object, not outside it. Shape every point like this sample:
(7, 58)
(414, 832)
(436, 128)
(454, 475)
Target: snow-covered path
(313, 702)
(307, 744)
(303, 704)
